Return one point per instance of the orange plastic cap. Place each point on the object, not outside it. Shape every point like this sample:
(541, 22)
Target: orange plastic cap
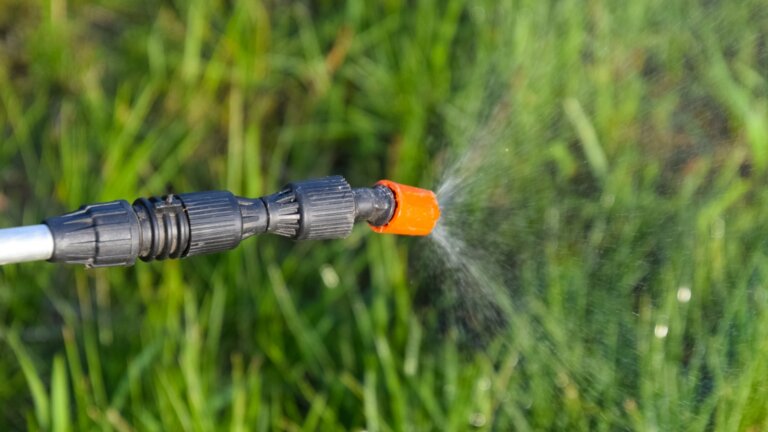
(416, 211)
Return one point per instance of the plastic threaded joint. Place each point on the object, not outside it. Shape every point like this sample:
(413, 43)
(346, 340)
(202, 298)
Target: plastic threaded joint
(96, 235)
(312, 210)
(164, 227)
(215, 222)
(327, 208)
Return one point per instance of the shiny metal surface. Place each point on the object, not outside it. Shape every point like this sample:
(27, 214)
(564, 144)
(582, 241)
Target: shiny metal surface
(27, 243)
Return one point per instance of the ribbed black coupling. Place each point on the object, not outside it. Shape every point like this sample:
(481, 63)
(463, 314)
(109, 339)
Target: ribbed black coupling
(164, 228)
(283, 211)
(326, 208)
(312, 210)
(215, 222)
(96, 235)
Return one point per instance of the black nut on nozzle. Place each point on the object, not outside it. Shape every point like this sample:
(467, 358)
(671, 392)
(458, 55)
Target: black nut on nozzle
(312, 209)
(326, 208)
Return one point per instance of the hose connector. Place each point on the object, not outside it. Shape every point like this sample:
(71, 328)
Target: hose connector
(318, 209)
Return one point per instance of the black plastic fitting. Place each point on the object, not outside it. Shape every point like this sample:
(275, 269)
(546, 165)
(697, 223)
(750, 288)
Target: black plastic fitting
(97, 235)
(374, 205)
(312, 210)
(178, 226)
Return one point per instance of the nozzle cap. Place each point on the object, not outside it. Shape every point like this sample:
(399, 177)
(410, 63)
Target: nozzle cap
(416, 211)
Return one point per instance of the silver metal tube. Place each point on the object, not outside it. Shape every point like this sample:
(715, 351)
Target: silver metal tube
(27, 243)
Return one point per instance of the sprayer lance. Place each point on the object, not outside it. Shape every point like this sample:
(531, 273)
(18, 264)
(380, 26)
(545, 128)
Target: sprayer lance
(177, 226)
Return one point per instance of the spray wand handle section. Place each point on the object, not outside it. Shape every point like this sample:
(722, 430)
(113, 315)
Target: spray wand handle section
(26, 243)
(118, 233)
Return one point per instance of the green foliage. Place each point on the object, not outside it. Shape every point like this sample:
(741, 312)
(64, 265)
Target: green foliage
(637, 136)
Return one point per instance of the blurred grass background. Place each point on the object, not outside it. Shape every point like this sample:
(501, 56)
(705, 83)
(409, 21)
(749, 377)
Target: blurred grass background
(640, 139)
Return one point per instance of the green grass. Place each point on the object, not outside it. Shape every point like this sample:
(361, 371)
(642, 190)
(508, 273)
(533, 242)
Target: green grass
(639, 137)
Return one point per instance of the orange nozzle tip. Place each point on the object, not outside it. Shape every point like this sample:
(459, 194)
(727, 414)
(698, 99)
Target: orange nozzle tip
(416, 211)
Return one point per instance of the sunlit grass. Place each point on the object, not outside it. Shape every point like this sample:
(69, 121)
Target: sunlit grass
(638, 163)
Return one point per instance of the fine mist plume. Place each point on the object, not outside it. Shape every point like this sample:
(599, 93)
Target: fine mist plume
(469, 279)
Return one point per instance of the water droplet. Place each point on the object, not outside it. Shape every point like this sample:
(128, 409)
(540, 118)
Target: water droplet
(329, 276)
(661, 331)
(683, 294)
(477, 420)
(484, 384)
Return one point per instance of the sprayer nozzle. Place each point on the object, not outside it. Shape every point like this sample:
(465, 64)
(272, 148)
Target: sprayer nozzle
(182, 225)
(416, 211)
